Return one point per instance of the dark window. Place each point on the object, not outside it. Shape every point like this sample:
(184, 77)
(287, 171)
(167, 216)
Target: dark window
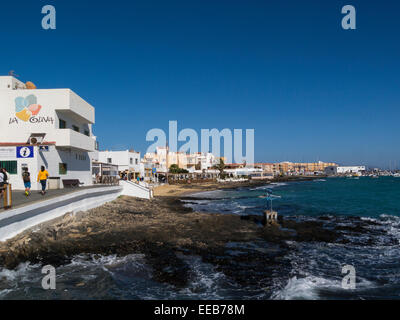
(62, 168)
(131, 161)
(87, 133)
(62, 124)
(82, 157)
(109, 160)
(75, 128)
(10, 166)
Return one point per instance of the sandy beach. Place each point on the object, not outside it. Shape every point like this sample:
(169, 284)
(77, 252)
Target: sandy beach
(180, 190)
(175, 190)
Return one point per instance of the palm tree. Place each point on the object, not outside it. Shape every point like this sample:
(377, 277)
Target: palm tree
(220, 167)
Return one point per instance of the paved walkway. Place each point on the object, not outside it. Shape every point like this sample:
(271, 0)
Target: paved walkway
(19, 198)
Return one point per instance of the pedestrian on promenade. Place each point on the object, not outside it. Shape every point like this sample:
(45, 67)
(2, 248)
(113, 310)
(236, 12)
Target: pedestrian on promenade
(42, 178)
(1, 183)
(26, 177)
(6, 176)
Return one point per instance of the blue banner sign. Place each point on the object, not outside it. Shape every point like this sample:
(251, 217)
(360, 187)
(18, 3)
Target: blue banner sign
(25, 152)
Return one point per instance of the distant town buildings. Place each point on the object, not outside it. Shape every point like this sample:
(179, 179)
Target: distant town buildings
(339, 170)
(159, 163)
(292, 168)
(162, 160)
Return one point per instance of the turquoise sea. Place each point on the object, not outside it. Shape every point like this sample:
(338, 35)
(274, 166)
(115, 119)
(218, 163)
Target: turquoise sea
(364, 197)
(344, 203)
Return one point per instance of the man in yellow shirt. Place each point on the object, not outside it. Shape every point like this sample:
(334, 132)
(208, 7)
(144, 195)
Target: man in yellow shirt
(42, 178)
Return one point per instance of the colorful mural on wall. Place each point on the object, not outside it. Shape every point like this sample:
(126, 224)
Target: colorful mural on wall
(25, 108)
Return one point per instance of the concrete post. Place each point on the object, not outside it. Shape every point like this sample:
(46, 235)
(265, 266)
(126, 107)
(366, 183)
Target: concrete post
(7, 196)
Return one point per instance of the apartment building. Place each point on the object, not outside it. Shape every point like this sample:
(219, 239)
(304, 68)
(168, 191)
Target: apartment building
(162, 160)
(126, 160)
(45, 127)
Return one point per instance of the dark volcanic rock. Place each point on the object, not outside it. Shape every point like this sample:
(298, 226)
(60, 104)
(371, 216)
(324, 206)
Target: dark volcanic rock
(311, 231)
(167, 267)
(159, 229)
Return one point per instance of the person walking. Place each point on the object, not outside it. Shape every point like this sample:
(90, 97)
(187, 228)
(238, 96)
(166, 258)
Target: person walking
(26, 177)
(42, 178)
(1, 183)
(6, 176)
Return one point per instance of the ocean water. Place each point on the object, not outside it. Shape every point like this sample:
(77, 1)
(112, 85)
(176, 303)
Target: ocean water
(315, 269)
(363, 197)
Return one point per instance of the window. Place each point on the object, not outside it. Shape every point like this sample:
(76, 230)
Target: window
(131, 161)
(10, 166)
(87, 133)
(136, 161)
(62, 124)
(81, 157)
(62, 168)
(109, 160)
(75, 128)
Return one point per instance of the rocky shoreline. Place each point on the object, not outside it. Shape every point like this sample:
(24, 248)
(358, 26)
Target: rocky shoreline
(163, 230)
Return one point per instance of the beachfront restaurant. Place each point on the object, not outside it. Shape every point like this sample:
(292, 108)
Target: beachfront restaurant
(104, 173)
(45, 127)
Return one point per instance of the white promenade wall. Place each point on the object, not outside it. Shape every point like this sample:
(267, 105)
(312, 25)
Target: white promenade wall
(15, 221)
(133, 189)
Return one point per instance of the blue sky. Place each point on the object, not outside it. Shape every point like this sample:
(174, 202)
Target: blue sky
(311, 90)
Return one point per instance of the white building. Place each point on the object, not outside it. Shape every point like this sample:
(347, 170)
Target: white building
(162, 159)
(50, 127)
(245, 171)
(350, 170)
(206, 160)
(126, 160)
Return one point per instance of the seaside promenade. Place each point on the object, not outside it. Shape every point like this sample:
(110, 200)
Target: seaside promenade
(19, 199)
(27, 212)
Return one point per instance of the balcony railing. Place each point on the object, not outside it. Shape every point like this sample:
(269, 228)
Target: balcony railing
(69, 138)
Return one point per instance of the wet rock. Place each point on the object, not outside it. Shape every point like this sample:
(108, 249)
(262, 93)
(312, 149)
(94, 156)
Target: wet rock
(160, 229)
(167, 267)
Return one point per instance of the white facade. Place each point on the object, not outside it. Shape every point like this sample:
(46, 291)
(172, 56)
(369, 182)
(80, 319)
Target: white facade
(350, 169)
(59, 119)
(126, 160)
(11, 83)
(206, 160)
(162, 159)
(244, 171)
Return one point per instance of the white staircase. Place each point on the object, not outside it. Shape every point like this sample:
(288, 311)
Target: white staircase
(133, 189)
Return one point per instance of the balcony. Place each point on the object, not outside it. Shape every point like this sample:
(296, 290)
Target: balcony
(75, 107)
(68, 138)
